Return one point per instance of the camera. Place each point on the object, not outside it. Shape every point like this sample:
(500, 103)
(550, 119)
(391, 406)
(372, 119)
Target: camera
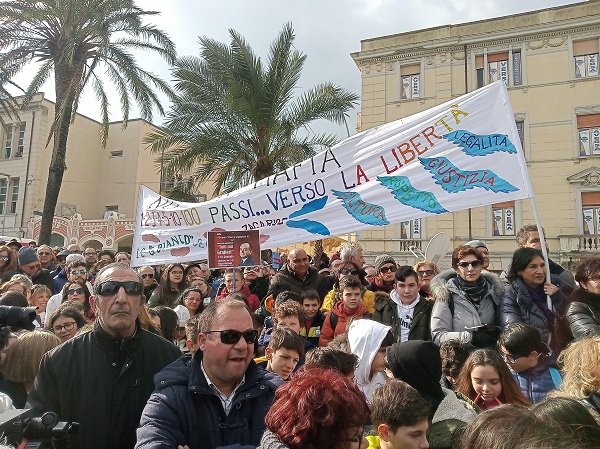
(46, 431)
(18, 317)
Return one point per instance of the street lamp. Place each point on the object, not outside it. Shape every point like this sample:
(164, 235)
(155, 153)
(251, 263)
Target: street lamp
(4, 207)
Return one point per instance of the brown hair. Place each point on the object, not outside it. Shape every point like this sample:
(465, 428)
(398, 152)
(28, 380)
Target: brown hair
(23, 357)
(462, 251)
(287, 309)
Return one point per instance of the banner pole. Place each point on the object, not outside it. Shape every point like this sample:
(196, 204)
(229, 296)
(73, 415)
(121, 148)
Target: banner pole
(538, 222)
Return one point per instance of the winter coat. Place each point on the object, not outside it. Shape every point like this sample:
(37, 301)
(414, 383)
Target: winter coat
(328, 333)
(386, 312)
(270, 441)
(185, 410)
(583, 314)
(313, 333)
(43, 277)
(286, 279)
(364, 340)
(101, 382)
(333, 297)
(169, 300)
(460, 325)
(253, 300)
(536, 382)
(454, 412)
(59, 281)
(517, 306)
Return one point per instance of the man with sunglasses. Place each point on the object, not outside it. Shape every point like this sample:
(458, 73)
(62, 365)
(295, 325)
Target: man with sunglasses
(29, 265)
(45, 254)
(217, 398)
(103, 378)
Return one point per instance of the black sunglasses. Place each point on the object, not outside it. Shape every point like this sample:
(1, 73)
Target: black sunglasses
(352, 271)
(147, 275)
(111, 287)
(474, 264)
(386, 269)
(72, 291)
(231, 337)
(425, 273)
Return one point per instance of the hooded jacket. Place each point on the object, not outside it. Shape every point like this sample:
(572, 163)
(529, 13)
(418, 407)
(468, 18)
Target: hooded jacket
(386, 312)
(364, 339)
(184, 410)
(536, 382)
(460, 325)
(328, 333)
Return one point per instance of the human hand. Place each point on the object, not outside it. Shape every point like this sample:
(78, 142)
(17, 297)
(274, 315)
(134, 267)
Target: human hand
(550, 289)
(185, 446)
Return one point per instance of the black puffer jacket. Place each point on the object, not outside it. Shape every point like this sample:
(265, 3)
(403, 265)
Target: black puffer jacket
(583, 314)
(101, 382)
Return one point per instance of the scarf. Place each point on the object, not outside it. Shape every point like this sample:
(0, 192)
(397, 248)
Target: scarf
(380, 286)
(475, 292)
(539, 298)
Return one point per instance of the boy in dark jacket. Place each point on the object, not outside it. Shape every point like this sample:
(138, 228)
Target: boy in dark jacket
(404, 309)
(313, 317)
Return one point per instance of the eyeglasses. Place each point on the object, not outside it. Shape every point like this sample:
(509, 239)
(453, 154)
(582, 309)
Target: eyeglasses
(356, 439)
(352, 271)
(191, 299)
(66, 326)
(87, 253)
(425, 273)
(474, 264)
(4, 258)
(510, 358)
(231, 336)
(44, 253)
(386, 269)
(76, 272)
(73, 291)
(111, 287)
(148, 275)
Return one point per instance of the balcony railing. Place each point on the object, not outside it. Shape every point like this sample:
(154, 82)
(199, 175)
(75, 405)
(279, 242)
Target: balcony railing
(579, 243)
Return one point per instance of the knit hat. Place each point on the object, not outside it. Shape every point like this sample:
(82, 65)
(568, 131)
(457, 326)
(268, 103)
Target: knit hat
(476, 244)
(27, 255)
(183, 315)
(381, 260)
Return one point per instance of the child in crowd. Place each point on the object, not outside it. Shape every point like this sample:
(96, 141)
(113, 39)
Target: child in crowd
(487, 381)
(240, 287)
(399, 415)
(313, 317)
(350, 306)
(369, 340)
(404, 309)
(282, 297)
(330, 358)
(285, 350)
(528, 358)
(454, 355)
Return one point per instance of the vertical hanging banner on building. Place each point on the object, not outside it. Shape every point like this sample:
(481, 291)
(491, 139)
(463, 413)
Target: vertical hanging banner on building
(461, 154)
(588, 220)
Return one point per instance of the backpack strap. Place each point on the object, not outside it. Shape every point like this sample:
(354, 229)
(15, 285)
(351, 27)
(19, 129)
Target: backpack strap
(556, 378)
(333, 320)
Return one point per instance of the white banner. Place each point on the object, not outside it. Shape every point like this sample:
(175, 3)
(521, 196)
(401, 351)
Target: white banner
(588, 220)
(498, 226)
(461, 154)
(592, 66)
(584, 142)
(509, 221)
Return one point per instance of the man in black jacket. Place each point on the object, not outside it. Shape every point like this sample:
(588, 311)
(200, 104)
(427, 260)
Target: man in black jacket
(29, 265)
(102, 379)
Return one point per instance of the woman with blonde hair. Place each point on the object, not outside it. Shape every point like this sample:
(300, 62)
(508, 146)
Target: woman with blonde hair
(40, 295)
(426, 270)
(580, 364)
(18, 283)
(22, 364)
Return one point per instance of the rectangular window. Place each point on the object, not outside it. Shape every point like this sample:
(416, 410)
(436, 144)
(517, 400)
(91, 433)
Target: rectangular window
(9, 142)
(118, 153)
(521, 131)
(498, 67)
(585, 54)
(14, 197)
(590, 202)
(588, 127)
(504, 218)
(410, 230)
(112, 208)
(411, 81)
(21, 141)
(3, 191)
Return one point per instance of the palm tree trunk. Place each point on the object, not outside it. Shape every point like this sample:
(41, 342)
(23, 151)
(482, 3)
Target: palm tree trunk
(62, 116)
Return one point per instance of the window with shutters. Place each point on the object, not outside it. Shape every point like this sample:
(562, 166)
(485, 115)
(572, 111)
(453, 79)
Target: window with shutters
(585, 54)
(410, 78)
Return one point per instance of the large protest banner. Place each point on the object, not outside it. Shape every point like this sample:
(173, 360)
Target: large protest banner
(461, 154)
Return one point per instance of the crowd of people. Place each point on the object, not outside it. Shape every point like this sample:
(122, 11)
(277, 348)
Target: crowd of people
(332, 352)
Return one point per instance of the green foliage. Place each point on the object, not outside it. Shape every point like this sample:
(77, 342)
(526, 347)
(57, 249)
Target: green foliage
(235, 120)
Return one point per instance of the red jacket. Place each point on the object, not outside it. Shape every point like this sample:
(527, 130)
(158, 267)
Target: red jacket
(253, 300)
(327, 331)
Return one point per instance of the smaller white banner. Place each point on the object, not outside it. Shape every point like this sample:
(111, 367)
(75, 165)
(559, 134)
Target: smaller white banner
(584, 142)
(509, 221)
(588, 220)
(498, 225)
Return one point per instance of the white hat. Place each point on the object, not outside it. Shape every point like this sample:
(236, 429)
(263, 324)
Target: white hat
(183, 315)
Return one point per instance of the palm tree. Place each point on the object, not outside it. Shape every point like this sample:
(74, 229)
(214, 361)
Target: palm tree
(236, 120)
(75, 40)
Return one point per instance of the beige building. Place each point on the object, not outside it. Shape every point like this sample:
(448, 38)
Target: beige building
(97, 181)
(549, 61)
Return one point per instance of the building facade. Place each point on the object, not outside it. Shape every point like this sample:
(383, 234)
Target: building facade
(98, 197)
(549, 62)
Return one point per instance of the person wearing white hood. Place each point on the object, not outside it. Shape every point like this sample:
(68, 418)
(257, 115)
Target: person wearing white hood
(368, 340)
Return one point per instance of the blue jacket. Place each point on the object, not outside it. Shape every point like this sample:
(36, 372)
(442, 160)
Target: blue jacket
(185, 410)
(536, 382)
(59, 281)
